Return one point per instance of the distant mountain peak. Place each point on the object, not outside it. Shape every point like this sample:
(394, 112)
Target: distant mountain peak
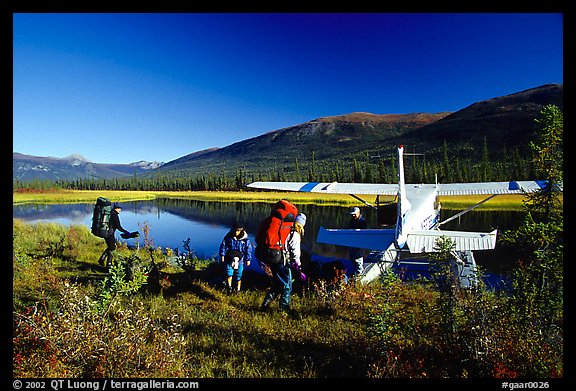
(27, 167)
(147, 165)
(77, 157)
(76, 160)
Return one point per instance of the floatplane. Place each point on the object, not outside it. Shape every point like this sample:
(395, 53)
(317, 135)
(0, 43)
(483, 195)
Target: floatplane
(411, 223)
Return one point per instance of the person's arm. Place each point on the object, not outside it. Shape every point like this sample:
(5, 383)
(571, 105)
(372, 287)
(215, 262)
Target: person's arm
(115, 218)
(222, 250)
(248, 252)
(294, 248)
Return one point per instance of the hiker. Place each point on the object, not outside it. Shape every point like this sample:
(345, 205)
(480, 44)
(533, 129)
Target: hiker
(356, 255)
(282, 271)
(108, 254)
(235, 251)
(294, 251)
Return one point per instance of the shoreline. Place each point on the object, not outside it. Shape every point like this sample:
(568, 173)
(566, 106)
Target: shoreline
(501, 202)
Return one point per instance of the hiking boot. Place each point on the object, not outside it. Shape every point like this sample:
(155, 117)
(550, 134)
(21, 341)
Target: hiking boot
(109, 263)
(109, 258)
(287, 312)
(266, 303)
(229, 289)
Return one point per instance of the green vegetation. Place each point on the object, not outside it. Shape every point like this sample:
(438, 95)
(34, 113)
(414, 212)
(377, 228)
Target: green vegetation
(538, 295)
(74, 196)
(61, 196)
(449, 162)
(151, 317)
(71, 319)
(502, 202)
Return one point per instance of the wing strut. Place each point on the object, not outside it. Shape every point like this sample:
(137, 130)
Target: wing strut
(467, 210)
(364, 202)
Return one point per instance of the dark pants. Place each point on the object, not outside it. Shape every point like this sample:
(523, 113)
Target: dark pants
(281, 285)
(356, 256)
(108, 254)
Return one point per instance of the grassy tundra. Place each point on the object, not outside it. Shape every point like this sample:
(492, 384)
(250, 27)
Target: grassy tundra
(502, 202)
(148, 317)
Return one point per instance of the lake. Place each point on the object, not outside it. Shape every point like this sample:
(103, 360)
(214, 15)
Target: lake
(172, 221)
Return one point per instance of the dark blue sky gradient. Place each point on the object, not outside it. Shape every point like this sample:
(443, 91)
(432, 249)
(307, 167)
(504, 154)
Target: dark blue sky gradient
(160, 86)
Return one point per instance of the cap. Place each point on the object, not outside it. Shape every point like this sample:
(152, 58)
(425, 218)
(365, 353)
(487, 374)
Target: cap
(237, 225)
(117, 205)
(301, 219)
(354, 210)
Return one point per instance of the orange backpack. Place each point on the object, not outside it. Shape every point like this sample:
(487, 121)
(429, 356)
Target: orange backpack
(273, 231)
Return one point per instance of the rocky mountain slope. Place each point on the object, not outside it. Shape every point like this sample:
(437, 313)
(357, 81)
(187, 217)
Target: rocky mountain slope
(505, 122)
(27, 167)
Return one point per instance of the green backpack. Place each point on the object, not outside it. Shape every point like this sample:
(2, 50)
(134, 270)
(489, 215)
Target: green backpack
(101, 217)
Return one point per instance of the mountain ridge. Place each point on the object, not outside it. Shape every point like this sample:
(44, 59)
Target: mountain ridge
(284, 145)
(75, 166)
(505, 122)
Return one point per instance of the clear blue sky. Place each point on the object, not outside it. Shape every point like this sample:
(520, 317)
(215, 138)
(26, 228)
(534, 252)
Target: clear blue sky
(119, 88)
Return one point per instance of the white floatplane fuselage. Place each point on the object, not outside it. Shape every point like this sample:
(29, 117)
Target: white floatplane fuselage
(418, 214)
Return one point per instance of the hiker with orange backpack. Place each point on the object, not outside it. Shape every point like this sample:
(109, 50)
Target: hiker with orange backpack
(271, 240)
(282, 271)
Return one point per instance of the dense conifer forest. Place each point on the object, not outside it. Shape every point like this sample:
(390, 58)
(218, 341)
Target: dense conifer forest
(364, 167)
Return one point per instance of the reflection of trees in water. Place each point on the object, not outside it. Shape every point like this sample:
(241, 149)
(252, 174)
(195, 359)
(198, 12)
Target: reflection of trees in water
(483, 220)
(218, 213)
(252, 213)
(74, 212)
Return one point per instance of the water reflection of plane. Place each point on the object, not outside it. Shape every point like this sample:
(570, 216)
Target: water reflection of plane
(412, 221)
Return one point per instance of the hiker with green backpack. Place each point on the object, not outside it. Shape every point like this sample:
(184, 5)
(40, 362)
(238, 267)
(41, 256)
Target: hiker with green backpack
(105, 222)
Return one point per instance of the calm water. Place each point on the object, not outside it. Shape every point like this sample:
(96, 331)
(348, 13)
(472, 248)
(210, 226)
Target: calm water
(171, 222)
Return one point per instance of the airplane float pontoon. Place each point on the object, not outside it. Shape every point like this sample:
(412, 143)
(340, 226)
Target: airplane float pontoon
(417, 219)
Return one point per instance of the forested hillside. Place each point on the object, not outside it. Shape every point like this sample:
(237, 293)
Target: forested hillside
(486, 141)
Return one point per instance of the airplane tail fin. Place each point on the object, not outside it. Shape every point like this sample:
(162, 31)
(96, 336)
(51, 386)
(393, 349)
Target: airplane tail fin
(371, 239)
(403, 203)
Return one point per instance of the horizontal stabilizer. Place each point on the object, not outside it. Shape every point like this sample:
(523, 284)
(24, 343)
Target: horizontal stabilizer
(372, 239)
(425, 241)
(512, 187)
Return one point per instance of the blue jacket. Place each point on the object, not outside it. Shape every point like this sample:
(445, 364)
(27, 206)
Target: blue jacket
(243, 245)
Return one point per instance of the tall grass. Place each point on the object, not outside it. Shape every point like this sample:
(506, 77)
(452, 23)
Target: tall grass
(182, 324)
(78, 196)
(501, 202)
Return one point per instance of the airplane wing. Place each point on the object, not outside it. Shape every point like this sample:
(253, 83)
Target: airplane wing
(512, 187)
(373, 239)
(329, 187)
(425, 241)
(418, 241)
